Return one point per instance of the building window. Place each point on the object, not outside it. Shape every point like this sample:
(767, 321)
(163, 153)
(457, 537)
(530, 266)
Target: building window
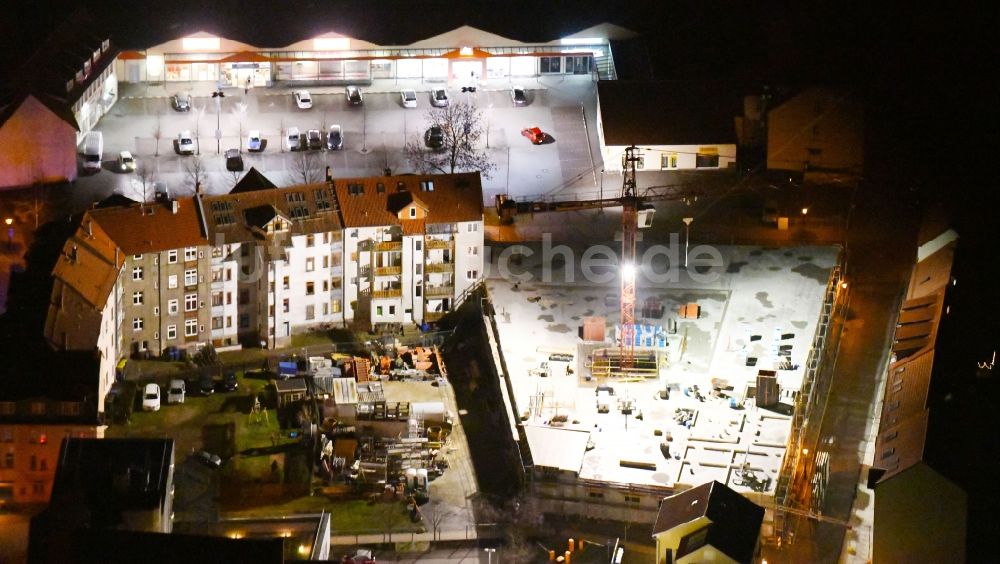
(217, 299)
(472, 274)
(595, 495)
(171, 332)
(392, 310)
(550, 64)
(632, 499)
(137, 273)
(668, 161)
(9, 460)
(473, 251)
(473, 227)
(216, 252)
(229, 321)
(190, 302)
(310, 312)
(284, 283)
(190, 277)
(413, 212)
(137, 324)
(244, 321)
(336, 283)
(216, 275)
(172, 256)
(640, 161)
(244, 298)
(310, 288)
(335, 259)
(378, 311)
(190, 253)
(284, 305)
(136, 257)
(217, 322)
(707, 157)
(326, 261)
(310, 264)
(419, 269)
(335, 306)
(172, 307)
(172, 281)
(426, 185)
(310, 241)
(136, 298)
(190, 327)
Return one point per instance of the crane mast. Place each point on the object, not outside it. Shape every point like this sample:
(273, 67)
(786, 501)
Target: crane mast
(630, 217)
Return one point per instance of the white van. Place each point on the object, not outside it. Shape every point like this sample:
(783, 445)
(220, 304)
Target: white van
(93, 149)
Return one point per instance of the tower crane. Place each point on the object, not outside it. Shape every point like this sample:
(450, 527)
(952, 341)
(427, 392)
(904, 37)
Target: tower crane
(637, 213)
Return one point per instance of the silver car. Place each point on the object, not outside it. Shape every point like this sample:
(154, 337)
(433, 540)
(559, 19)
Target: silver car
(439, 97)
(176, 391)
(335, 138)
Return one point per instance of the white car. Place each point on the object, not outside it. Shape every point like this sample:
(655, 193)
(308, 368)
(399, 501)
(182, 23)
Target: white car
(408, 97)
(185, 145)
(126, 162)
(439, 97)
(303, 100)
(292, 139)
(176, 391)
(254, 143)
(151, 398)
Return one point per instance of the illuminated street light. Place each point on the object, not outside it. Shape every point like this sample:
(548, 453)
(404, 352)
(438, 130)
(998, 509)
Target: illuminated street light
(805, 211)
(489, 554)
(843, 285)
(687, 238)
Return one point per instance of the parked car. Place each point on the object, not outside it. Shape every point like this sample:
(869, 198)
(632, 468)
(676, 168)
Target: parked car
(176, 391)
(314, 139)
(208, 459)
(361, 556)
(234, 160)
(206, 384)
(230, 382)
(181, 102)
(534, 134)
(354, 96)
(151, 398)
(303, 100)
(335, 138)
(409, 98)
(439, 97)
(518, 96)
(93, 151)
(254, 144)
(126, 162)
(292, 139)
(185, 144)
(434, 137)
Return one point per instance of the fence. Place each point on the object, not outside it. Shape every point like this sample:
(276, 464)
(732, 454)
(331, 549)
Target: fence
(368, 537)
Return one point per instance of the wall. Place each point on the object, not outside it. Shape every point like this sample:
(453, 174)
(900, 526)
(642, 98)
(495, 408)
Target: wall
(23, 441)
(36, 146)
(819, 128)
(686, 156)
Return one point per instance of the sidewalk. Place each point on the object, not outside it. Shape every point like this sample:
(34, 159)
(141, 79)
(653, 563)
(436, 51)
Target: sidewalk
(204, 89)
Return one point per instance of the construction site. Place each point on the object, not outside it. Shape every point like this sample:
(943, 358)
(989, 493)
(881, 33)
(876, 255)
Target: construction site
(634, 387)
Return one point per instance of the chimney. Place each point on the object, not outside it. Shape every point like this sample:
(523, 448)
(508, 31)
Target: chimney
(174, 206)
(72, 253)
(90, 228)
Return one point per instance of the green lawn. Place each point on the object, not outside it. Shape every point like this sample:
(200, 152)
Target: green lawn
(354, 516)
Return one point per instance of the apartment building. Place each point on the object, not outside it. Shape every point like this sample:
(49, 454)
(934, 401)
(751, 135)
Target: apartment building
(256, 267)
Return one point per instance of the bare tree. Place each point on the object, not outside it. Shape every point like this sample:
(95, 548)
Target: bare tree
(462, 127)
(434, 516)
(281, 136)
(145, 174)
(391, 516)
(158, 133)
(306, 168)
(196, 172)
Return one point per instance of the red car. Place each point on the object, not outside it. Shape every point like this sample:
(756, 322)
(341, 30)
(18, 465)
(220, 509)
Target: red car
(534, 134)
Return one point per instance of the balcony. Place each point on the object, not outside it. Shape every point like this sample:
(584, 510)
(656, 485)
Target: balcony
(389, 246)
(434, 315)
(389, 270)
(437, 267)
(433, 244)
(439, 291)
(388, 293)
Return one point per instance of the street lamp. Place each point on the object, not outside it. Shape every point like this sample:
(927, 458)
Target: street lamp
(218, 95)
(489, 554)
(687, 238)
(10, 232)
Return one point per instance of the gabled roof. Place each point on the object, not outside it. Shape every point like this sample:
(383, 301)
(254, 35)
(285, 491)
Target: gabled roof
(152, 227)
(237, 217)
(454, 198)
(89, 263)
(655, 112)
(260, 216)
(603, 30)
(465, 35)
(735, 521)
(57, 106)
(252, 181)
(398, 201)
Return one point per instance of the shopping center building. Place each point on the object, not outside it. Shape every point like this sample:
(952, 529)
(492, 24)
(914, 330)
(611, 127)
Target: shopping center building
(458, 56)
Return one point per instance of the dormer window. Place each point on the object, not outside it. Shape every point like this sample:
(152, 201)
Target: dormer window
(355, 189)
(105, 45)
(380, 188)
(413, 212)
(426, 185)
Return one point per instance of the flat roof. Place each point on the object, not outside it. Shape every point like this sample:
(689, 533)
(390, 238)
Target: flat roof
(555, 447)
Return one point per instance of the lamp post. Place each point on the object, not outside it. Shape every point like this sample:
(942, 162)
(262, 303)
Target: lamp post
(489, 554)
(218, 95)
(9, 222)
(687, 238)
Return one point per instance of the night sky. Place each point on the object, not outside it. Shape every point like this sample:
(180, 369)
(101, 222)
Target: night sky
(926, 72)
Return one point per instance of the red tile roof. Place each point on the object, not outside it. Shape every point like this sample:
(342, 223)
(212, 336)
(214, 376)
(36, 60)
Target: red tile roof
(154, 227)
(454, 198)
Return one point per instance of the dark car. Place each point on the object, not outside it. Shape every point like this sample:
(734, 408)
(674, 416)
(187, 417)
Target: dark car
(181, 102)
(354, 96)
(434, 137)
(315, 139)
(230, 382)
(209, 459)
(518, 96)
(234, 161)
(335, 138)
(206, 385)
